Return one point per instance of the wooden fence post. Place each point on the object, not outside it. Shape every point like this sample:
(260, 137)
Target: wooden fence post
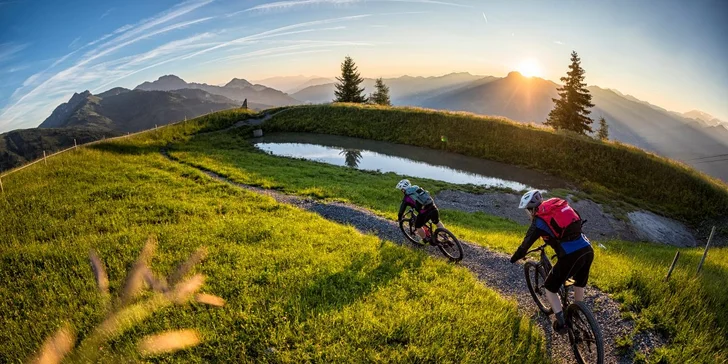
(74, 144)
(672, 266)
(705, 253)
(45, 158)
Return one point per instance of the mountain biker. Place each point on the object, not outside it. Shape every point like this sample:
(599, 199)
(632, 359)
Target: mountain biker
(560, 227)
(420, 200)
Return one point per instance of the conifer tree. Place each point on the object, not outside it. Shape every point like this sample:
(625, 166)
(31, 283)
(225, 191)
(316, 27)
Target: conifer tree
(571, 109)
(603, 132)
(347, 90)
(381, 95)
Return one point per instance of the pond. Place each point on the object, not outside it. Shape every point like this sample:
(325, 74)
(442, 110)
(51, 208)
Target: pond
(404, 160)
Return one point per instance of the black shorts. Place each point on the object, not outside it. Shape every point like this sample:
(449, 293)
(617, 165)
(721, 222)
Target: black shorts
(576, 264)
(432, 214)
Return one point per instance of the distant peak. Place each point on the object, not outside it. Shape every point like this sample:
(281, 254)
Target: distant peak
(238, 83)
(170, 78)
(515, 74)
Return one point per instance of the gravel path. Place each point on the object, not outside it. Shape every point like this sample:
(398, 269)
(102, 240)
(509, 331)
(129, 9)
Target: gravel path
(492, 268)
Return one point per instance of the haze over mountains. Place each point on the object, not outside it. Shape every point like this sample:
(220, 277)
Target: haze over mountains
(694, 137)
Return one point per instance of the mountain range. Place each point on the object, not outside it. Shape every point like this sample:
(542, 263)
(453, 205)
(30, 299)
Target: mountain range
(237, 89)
(695, 138)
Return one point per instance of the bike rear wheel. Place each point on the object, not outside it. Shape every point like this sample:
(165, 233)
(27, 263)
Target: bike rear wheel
(584, 334)
(535, 279)
(407, 225)
(449, 244)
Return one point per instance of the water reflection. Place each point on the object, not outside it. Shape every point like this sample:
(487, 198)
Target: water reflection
(405, 160)
(351, 157)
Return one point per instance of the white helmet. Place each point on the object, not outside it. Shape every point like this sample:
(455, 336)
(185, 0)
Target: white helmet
(530, 199)
(405, 183)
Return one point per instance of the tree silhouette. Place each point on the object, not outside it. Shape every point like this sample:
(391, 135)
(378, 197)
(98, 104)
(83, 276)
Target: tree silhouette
(603, 132)
(571, 109)
(347, 90)
(381, 96)
(352, 157)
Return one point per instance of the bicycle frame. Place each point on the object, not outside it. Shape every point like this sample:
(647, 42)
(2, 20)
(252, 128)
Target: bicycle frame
(547, 265)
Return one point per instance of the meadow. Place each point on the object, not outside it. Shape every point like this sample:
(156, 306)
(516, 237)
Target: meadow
(298, 287)
(688, 311)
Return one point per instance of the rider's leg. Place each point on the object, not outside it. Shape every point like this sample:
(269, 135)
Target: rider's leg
(582, 267)
(554, 301)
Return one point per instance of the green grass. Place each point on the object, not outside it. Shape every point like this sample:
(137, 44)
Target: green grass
(688, 310)
(615, 171)
(298, 287)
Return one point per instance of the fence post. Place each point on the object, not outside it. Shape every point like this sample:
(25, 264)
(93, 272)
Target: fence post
(45, 158)
(74, 144)
(2, 189)
(672, 266)
(705, 253)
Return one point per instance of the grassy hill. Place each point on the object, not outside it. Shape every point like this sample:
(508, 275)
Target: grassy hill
(298, 287)
(24, 145)
(687, 311)
(599, 168)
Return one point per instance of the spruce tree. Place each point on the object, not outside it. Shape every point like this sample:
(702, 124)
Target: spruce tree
(347, 90)
(381, 96)
(603, 132)
(571, 109)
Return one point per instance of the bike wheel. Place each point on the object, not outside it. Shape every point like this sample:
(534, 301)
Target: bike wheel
(535, 279)
(407, 225)
(584, 334)
(448, 244)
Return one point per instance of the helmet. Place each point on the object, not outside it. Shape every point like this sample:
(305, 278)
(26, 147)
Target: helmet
(530, 200)
(405, 183)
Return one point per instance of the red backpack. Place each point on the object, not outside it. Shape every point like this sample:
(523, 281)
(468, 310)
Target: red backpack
(559, 216)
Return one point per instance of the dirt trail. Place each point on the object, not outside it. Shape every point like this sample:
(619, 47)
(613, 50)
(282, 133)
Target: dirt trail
(492, 268)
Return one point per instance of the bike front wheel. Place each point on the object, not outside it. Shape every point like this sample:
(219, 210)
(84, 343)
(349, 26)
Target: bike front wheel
(584, 334)
(535, 279)
(449, 244)
(407, 225)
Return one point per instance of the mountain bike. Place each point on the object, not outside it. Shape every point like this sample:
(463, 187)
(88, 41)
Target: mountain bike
(442, 238)
(584, 333)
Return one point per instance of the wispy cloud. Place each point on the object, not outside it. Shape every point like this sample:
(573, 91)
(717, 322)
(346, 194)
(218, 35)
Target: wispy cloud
(283, 5)
(83, 72)
(289, 4)
(559, 42)
(106, 13)
(299, 45)
(74, 43)
(10, 50)
(486, 18)
(286, 30)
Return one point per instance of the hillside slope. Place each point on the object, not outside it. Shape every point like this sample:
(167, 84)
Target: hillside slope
(630, 120)
(405, 90)
(25, 145)
(609, 169)
(313, 291)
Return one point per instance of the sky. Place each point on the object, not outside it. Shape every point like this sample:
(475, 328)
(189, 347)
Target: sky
(671, 53)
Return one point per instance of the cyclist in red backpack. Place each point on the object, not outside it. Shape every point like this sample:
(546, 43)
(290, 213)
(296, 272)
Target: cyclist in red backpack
(560, 227)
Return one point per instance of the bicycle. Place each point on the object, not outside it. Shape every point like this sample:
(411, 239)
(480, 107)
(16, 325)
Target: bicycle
(443, 238)
(584, 333)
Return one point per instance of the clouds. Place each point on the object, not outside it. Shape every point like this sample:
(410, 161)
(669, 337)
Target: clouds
(10, 50)
(291, 4)
(50, 87)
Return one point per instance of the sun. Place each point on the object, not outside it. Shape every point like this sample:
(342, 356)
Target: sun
(530, 68)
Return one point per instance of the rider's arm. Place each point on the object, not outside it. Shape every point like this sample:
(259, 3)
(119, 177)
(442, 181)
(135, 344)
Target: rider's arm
(402, 207)
(532, 235)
